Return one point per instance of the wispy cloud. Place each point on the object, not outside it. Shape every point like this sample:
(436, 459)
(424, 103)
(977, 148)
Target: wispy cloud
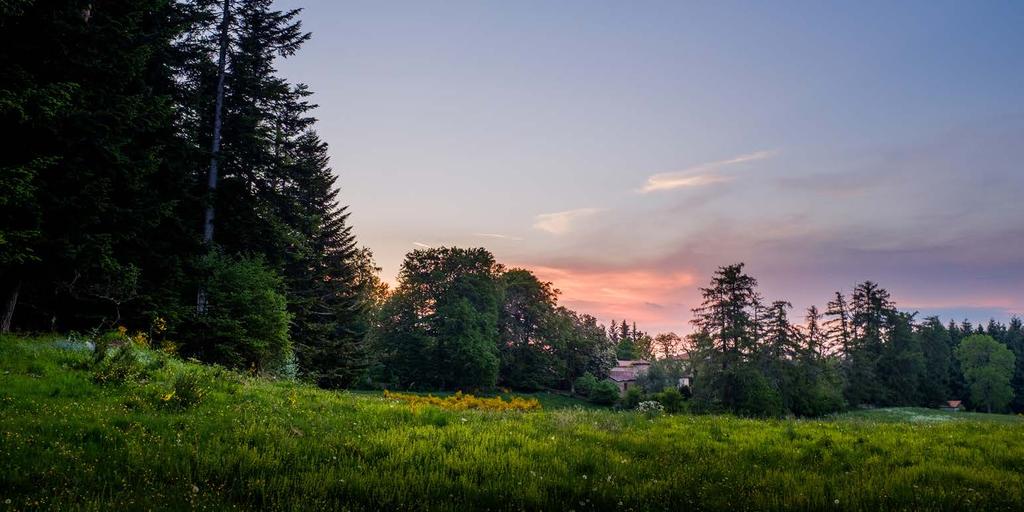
(423, 245)
(561, 222)
(699, 175)
(496, 235)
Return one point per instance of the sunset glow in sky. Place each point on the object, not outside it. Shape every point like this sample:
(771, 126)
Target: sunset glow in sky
(623, 150)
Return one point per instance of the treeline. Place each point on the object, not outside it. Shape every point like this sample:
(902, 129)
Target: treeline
(749, 357)
(110, 111)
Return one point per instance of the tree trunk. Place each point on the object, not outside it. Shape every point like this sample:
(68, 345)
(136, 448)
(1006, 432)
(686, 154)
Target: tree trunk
(12, 302)
(211, 183)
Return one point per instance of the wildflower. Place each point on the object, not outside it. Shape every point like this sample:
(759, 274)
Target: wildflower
(159, 324)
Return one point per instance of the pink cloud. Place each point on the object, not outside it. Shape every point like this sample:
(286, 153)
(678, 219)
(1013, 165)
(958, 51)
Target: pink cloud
(656, 300)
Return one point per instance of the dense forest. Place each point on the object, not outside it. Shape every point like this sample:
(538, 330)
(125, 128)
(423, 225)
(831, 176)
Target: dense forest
(159, 174)
(749, 357)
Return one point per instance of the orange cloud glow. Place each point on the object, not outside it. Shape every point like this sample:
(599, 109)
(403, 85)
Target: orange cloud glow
(655, 299)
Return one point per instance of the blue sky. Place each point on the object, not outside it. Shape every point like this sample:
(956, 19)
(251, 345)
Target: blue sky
(623, 150)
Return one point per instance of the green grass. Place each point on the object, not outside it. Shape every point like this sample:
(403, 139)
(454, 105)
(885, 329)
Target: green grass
(922, 415)
(67, 443)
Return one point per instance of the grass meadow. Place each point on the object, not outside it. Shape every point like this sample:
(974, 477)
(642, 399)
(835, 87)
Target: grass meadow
(177, 435)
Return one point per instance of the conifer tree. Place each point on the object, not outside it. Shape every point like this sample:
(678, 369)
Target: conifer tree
(837, 327)
(871, 311)
(901, 364)
(816, 339)
(726, 325)
(935, 343)
(326, 297)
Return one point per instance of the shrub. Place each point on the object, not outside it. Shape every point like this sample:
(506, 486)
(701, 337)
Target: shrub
(650, 407)
(245, 323)
(632, 398)
(585, 384)
(121, 367)
(604, 393)
(754, 395)
(188, 389)
(671, 400)
(140, 340)
(107, 341)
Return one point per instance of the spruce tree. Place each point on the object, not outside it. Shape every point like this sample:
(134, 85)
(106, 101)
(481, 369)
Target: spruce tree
(837, 327)
(325, 293)
(935, 343)
(871, 311)
(725, 322)
(901, 364)
(816, 338)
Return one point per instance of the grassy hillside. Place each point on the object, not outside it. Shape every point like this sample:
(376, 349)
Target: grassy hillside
(144, 441)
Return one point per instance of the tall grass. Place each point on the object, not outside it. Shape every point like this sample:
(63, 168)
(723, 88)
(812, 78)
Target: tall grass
(68, 443)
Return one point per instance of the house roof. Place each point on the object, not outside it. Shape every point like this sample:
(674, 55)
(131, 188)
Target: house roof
(626, 363)
(628, 370)
(622, 374)
(953, 403)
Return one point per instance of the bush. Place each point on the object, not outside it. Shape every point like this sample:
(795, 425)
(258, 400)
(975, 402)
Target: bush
(107, 341)
(632, 398)
(671, 400)
(604, 393)
(188, 389)
(650, 407)
(121, 367)
(245, 324)
(585, 384)
(754, 395)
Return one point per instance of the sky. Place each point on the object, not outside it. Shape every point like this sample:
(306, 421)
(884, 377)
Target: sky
(625, 150)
